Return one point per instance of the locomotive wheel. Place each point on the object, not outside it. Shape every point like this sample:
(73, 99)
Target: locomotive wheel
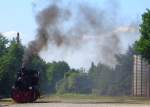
(24, 96)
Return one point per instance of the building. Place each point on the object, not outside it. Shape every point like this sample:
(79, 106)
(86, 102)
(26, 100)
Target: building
(141, 77)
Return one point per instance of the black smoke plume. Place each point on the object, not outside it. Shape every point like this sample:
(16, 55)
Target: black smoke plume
(69, 26)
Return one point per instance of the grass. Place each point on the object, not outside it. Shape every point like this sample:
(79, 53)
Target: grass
(79, 98)
(6, 101)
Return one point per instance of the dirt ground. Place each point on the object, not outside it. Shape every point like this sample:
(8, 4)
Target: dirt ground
(81, 101)
(78, 105)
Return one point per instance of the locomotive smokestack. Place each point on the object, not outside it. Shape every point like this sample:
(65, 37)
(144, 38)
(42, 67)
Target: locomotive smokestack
(18, 38)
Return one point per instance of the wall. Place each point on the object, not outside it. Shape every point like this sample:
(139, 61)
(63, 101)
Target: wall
(141, 77)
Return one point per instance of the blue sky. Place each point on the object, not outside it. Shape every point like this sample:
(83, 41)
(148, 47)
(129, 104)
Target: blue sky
(18, 15)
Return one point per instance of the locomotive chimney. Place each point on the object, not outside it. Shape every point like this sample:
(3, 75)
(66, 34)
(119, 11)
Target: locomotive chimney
(18, 38)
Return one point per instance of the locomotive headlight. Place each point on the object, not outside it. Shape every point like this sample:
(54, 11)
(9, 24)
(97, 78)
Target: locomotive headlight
(30, 88)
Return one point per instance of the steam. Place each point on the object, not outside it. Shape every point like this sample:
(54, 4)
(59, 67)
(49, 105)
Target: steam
(68, 27)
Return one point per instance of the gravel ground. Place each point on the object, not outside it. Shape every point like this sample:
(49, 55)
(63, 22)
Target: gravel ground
(77, 105)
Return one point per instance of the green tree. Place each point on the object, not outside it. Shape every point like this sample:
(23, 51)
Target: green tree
(143, 45)
(3, 44)
(67, 84)
(101, 76)
(56, 72)
(39, 65)
(10, 63)
(113, 81)
(75, 81)
(122, 77)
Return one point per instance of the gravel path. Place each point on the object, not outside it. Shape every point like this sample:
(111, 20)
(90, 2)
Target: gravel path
(77, 105)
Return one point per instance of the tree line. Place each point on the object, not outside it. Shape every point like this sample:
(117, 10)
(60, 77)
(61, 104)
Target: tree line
(59, 78)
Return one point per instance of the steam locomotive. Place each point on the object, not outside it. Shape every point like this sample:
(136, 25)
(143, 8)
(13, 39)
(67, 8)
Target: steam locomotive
(26, 87)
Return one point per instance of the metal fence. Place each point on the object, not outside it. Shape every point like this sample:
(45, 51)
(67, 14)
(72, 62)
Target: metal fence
(141, 77)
